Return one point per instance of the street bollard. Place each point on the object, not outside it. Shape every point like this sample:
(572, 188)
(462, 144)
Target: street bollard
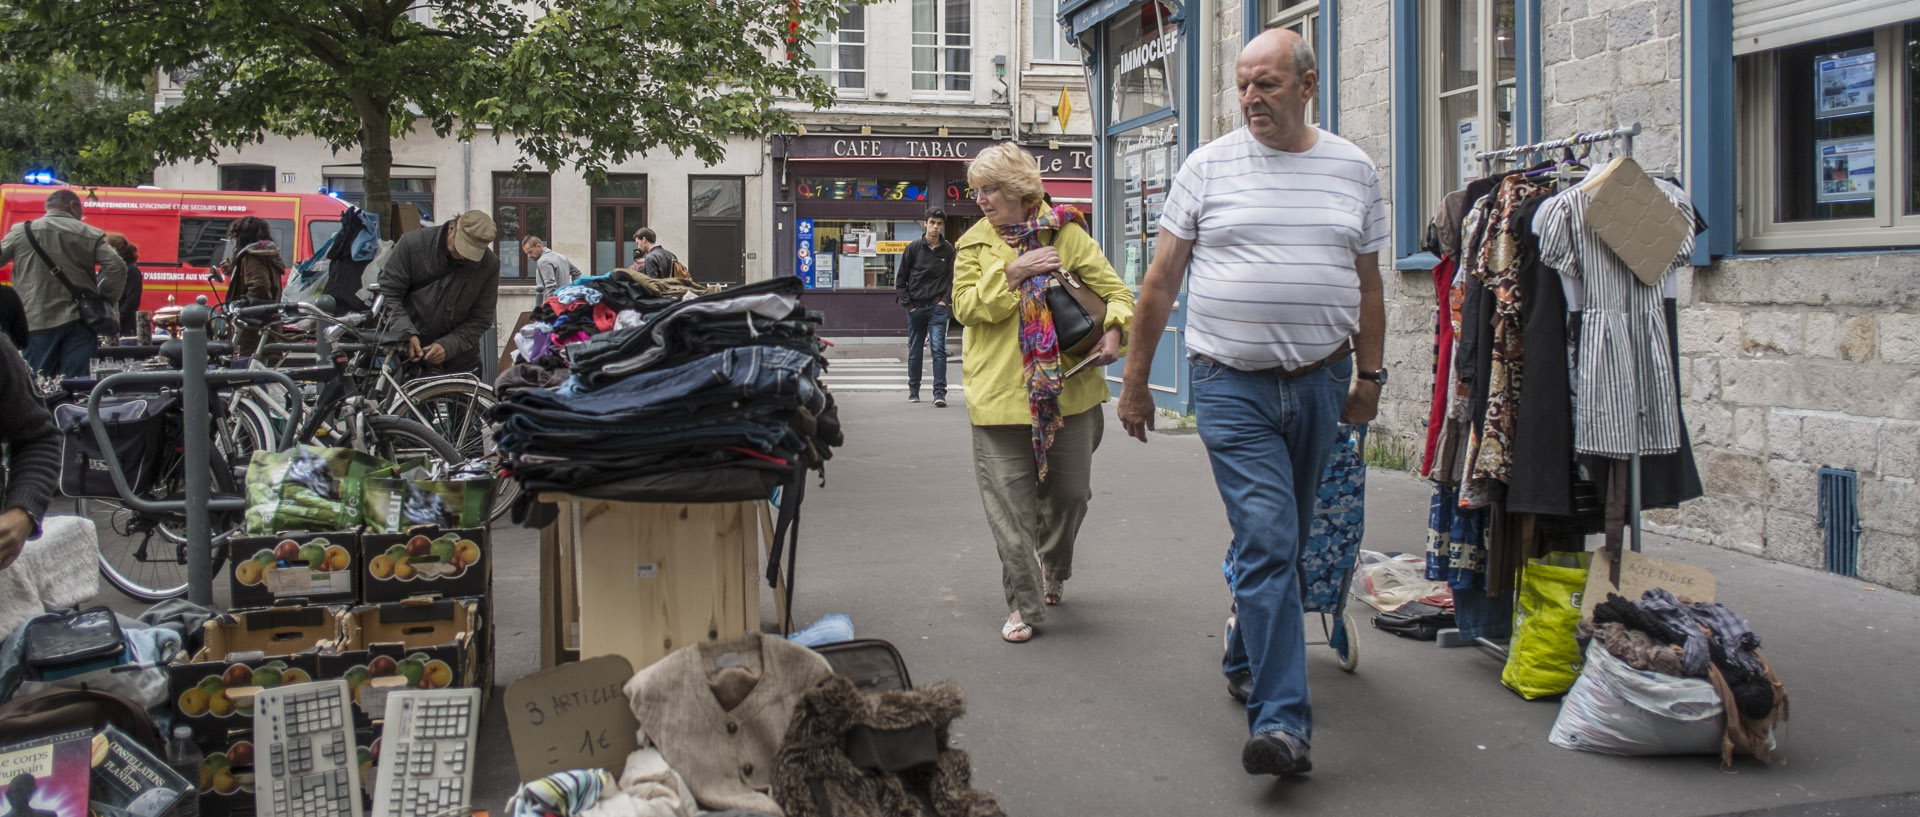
(193, 407)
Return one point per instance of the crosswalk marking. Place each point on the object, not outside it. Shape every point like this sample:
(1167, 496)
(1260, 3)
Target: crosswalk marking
(871, 374)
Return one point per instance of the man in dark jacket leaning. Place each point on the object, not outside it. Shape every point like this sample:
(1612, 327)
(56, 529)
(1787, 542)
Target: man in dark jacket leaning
(441, 286)
(923, 283)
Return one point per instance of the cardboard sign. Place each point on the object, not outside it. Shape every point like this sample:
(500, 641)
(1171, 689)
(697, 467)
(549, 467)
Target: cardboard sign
(1640, 573)
(573, 716)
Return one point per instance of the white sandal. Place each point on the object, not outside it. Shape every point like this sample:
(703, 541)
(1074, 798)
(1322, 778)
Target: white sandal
(1015, 630)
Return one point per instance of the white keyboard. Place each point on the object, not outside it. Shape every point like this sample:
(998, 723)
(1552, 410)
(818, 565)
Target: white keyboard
(304, 763)
(427, 753)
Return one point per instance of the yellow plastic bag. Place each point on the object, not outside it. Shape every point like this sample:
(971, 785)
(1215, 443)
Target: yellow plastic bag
(1543, 658)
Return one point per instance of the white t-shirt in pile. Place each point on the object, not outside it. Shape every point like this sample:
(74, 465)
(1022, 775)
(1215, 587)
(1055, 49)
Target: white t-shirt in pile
(1271, 281)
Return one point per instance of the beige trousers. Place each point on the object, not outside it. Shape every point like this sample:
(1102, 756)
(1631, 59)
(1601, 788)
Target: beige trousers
(1034, 523)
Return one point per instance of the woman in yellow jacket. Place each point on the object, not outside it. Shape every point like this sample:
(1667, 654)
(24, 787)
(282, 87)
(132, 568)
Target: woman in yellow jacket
(1034, 430)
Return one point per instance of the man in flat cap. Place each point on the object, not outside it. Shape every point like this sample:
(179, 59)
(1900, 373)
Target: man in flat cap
(441, 286)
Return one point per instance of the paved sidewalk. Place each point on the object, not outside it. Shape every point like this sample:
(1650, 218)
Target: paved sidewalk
(1118, 708)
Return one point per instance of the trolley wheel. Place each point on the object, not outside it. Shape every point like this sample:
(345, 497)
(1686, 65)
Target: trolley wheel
(1226, 635)
(1344, 643)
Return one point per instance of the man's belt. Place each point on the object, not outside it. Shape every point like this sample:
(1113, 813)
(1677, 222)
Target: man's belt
(1346, 348)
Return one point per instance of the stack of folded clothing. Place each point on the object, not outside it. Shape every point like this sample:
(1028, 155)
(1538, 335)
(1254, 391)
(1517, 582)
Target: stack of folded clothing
(594, 305)
(713, 399)
(1675, 636)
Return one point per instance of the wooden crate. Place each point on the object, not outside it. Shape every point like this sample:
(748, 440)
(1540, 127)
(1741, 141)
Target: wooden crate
(641, 580)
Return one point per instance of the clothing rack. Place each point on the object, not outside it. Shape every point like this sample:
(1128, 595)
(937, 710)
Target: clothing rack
(1623, 136)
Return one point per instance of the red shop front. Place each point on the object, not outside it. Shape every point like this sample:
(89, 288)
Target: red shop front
(846, 206)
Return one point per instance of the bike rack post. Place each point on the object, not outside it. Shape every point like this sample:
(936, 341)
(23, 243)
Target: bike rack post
(199, 503)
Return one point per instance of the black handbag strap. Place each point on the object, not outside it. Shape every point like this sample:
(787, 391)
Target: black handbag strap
(58, 273)
(786, 536)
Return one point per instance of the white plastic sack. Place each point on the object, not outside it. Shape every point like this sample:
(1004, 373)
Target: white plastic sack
(1389, 582)
(1614, 709)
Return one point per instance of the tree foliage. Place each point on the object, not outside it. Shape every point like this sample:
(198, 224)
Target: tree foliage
(58, 127)
(583, 82)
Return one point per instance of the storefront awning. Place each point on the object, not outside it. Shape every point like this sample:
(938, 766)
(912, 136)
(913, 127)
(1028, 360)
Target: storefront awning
(1070, 191)
(1081, 16)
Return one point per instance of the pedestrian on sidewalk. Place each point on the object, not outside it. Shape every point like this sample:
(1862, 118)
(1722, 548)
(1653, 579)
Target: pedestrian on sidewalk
(923, 283)
(551, 270)
(654, 261)
(1034, 430)
(60, 343)
(255, 272)
(1276, 228)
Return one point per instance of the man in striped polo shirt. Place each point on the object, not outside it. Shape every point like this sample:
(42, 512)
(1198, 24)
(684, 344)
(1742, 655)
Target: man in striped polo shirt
(1276, 228)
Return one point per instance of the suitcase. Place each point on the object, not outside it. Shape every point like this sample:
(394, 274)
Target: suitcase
(872, 664)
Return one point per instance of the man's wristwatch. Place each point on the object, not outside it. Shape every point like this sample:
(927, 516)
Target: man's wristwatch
(1378, 376)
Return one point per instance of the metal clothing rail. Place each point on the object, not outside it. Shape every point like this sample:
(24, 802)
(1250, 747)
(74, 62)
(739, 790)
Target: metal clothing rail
(1624, 136)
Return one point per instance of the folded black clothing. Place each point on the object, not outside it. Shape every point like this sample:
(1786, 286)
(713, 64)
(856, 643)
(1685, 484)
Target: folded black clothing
(734, 483)
(1629, 615)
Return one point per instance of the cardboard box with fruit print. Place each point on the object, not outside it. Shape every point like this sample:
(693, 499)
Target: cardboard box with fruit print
(316, 568)
(432, 643)
(278, 645)
(227, 777)
(447, 563)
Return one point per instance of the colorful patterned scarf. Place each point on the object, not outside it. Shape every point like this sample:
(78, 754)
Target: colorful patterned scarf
(1039, 347)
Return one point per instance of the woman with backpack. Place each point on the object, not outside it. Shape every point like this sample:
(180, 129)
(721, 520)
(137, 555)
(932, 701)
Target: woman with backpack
(255, 272)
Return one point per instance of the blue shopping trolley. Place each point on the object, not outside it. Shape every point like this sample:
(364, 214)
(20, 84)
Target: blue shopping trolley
(1333, 546)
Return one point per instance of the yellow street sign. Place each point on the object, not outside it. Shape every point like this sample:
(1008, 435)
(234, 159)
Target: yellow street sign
(1065, 109)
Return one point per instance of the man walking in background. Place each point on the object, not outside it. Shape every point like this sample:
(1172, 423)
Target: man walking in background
(551, 270)
(60, 343)
(655, 261)
(923, 283)
(1277, 229)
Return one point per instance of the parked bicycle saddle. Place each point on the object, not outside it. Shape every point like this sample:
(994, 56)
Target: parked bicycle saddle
(175, 350)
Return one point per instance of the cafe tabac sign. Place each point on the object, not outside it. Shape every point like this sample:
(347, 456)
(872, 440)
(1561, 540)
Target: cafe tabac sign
(1074, 160)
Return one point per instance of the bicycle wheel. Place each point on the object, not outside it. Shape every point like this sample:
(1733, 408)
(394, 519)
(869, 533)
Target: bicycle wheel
(458, 413)
(398, 439)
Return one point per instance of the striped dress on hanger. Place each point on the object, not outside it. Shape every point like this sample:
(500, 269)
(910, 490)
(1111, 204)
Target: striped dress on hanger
(1603, 380)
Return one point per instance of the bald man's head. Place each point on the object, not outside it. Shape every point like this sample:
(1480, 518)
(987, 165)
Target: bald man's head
(1285, 45)
(1276, 78)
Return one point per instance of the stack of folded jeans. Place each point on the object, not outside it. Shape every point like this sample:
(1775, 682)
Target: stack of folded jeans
(714, 399)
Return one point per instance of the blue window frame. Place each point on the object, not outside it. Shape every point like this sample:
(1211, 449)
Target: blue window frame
(1318, 19)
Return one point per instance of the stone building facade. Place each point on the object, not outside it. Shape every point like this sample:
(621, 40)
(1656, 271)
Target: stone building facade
(1799, 332)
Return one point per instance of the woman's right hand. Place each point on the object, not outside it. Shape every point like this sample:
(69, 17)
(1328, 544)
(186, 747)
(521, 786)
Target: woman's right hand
(1032, 263)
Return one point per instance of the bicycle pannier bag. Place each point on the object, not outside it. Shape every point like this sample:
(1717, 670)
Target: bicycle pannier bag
(133, 425)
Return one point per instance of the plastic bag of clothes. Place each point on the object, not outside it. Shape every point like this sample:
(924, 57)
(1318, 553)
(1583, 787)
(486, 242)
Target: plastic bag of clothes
(1387, 582)
(400, 498)
(307, 488)
(1545, 657)
(1615, 709)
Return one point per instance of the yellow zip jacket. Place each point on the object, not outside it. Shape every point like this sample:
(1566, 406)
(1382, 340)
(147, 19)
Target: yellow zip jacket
(996, 382)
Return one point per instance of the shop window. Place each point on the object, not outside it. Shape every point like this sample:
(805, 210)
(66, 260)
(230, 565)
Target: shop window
(864, 253)
(819, 188)
(943, 48)
(1143, 60)
(1470, 89)
(619, 210)
(521, 207)
(1145, 160)
(1828, 153)
(251, 178)
(1049, 38)
(840, 56)
(1303, 18)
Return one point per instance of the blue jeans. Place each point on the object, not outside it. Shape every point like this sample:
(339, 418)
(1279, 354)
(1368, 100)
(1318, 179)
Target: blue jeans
(65, 350)
(928, 325)
(1268, 438)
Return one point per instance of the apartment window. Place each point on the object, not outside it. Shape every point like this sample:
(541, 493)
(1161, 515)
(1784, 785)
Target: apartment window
(521, 207)
(251, 178)
(1828, 155)
(417, 192)
(943, 47)
(1302, 17)
(840, 57)
(1049, 37)
(619, 211)
(1470, 88)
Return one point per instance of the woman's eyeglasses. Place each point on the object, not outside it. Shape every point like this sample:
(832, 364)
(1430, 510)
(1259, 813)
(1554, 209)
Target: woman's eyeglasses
(989, 190)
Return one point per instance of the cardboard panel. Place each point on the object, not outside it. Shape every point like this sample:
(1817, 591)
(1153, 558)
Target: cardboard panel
(573, 716)
(306, 568)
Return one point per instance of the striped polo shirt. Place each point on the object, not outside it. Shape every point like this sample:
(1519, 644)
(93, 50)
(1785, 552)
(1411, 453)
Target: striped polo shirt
(1271, 281)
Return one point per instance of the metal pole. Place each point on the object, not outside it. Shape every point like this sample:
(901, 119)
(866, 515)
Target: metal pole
(197, 419)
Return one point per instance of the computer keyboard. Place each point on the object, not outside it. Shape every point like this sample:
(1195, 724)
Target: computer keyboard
(309, 768)
(426, 754)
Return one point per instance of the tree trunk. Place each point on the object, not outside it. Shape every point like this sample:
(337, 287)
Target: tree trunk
(376, 161)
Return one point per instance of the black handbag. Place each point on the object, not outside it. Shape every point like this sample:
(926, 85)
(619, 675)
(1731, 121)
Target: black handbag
(1078, 312)
(100, 316)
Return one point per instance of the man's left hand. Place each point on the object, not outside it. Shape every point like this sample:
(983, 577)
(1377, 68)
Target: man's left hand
(15, 527)
(434, 353)
(1363, 402)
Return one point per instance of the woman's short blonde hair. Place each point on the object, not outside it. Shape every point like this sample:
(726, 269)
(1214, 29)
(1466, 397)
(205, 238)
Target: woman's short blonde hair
(1010, 167)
